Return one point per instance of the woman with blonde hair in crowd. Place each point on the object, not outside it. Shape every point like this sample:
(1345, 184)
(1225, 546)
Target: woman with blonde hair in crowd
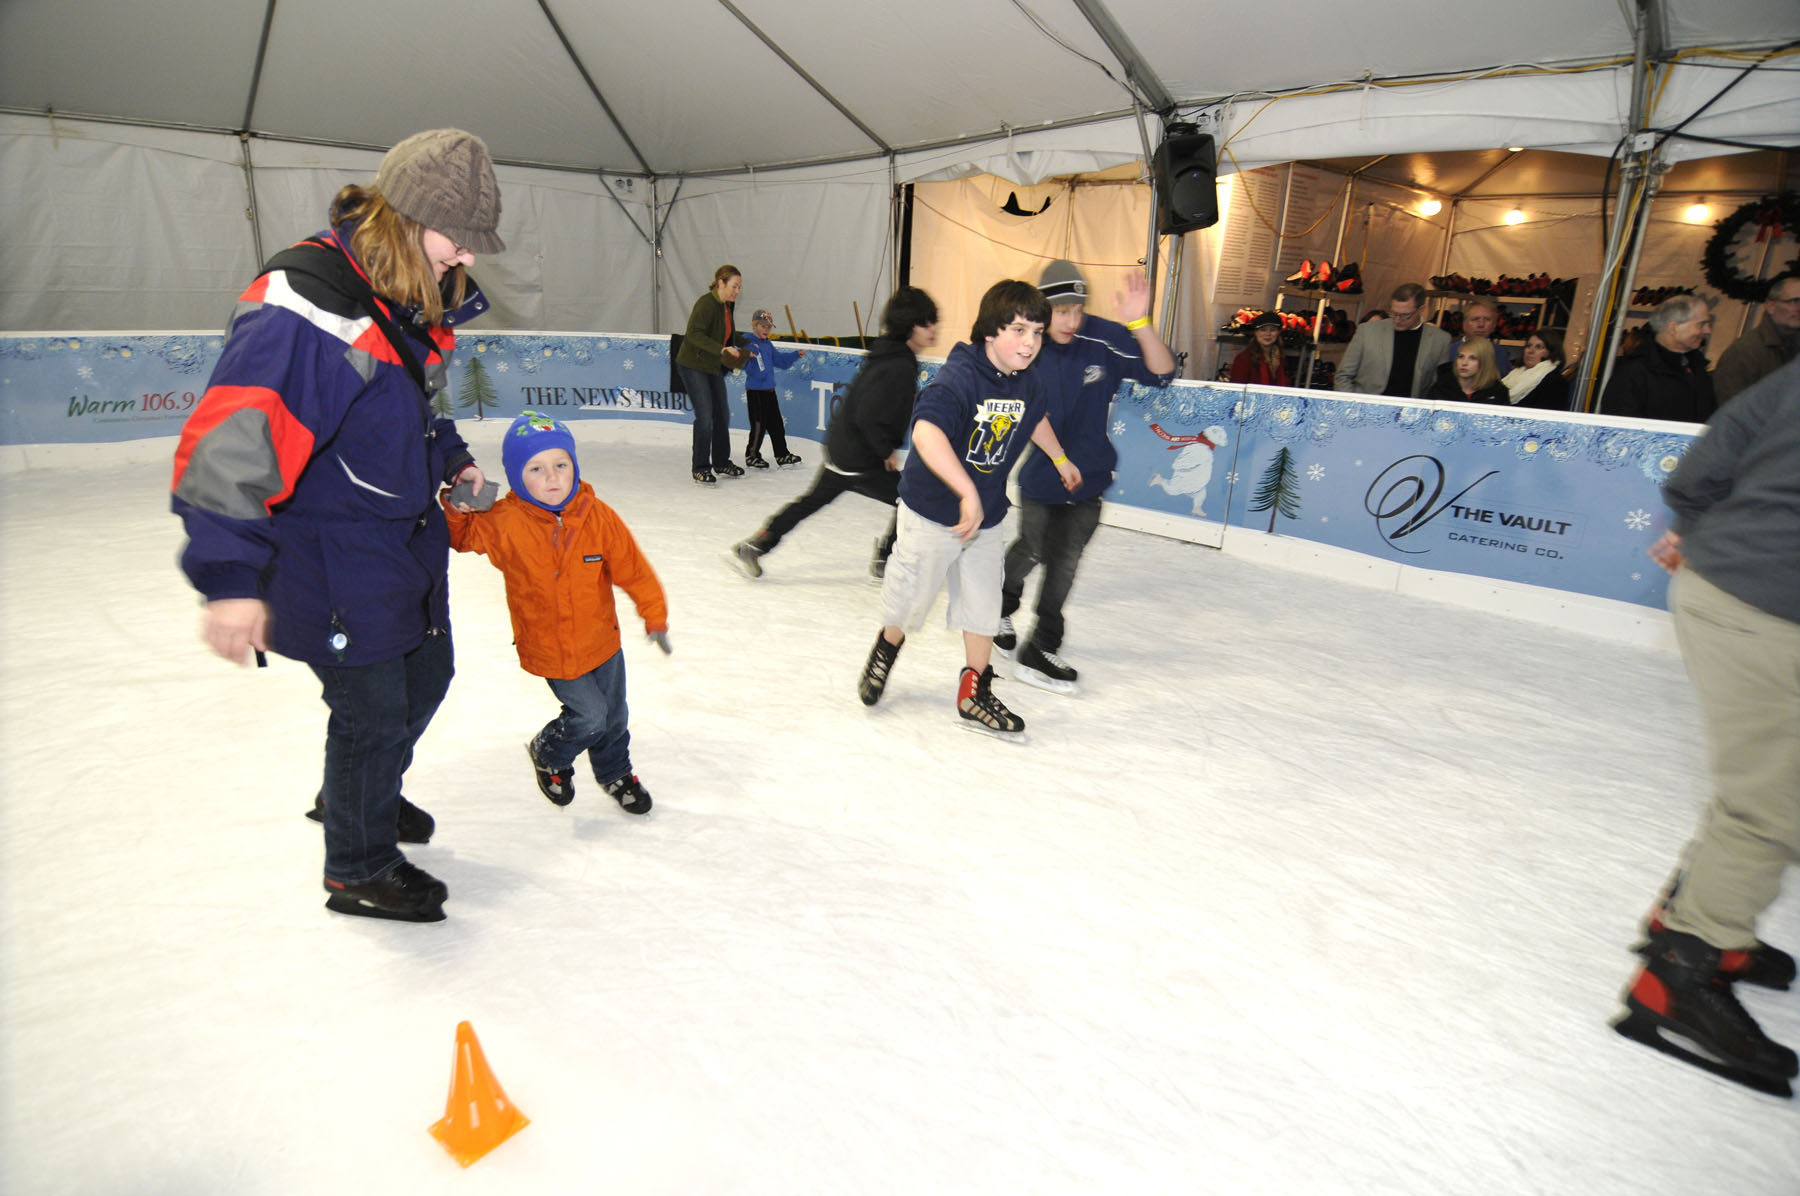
(1474, 378)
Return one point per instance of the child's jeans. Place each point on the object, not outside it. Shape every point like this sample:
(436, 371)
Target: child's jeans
(593, 720)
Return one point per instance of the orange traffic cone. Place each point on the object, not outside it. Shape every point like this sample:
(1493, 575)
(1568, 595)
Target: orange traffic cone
(477, 1117)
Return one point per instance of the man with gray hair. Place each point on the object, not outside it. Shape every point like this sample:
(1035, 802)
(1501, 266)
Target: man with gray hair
(1480, 319)
(1767, 347)
(1667, 378)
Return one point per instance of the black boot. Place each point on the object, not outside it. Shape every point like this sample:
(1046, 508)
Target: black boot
(412, 826)
(403, 893)
(875, 670)
(1681, 1004)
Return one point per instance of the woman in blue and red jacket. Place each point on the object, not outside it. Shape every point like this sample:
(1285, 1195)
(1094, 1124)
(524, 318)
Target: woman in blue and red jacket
(306, 476)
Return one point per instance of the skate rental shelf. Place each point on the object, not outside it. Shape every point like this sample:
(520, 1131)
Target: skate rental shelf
(1538, 514)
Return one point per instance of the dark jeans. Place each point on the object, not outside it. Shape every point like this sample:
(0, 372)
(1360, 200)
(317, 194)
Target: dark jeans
(593, 720)
(712, 418)
(378, 712)
(1055, 535)
(765, 415)
(883, 487)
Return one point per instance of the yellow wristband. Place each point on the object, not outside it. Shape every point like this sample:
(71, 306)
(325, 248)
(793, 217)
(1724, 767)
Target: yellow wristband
(1059, 460)
(1140, 322)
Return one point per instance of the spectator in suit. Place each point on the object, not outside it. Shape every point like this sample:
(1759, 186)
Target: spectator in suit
(1397, 356)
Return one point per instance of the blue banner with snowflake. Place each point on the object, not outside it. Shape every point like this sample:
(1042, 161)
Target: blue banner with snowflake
(1567, 502)
(97, 387)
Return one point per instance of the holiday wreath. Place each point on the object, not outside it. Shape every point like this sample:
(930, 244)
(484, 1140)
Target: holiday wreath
(1773, 216)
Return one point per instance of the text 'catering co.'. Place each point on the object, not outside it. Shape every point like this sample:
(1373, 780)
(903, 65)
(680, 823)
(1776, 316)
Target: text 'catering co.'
(1566, 502)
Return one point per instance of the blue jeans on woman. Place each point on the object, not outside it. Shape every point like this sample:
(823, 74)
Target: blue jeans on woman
(712, 418)
(378, 712)
(593, 720)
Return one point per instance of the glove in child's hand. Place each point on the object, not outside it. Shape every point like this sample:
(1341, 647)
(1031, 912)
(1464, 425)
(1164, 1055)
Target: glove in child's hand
(661, 640)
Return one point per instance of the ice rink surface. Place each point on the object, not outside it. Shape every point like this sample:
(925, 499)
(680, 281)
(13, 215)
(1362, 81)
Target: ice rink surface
(1314, 889)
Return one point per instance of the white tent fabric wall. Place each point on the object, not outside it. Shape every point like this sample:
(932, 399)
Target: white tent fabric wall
(964, 241)
(811, 241)
(116, 227)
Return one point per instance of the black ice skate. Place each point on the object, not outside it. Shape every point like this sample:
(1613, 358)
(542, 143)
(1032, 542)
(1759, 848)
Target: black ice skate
(1681, 1004)
(745, 555)
(403, 893)
(558, 784)
(412, 826)
(875, 671)
(631, 795)
(1006, 639)
(982, 711)
(730, 470)
(787, 459)
(755, 461)
(1046, 670)
(704, 477)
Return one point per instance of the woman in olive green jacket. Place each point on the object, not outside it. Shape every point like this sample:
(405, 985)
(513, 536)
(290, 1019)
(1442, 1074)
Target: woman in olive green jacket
(708, 348)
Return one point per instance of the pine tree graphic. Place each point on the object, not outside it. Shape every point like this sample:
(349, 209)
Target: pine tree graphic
(441, 403)
(478, 389)
(1278, 491)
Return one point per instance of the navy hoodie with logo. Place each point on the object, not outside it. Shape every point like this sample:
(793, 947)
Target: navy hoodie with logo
(1080, 380)
(988, 415)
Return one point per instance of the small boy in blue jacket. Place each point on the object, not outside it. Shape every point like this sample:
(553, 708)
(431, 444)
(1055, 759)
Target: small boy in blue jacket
(759, 391)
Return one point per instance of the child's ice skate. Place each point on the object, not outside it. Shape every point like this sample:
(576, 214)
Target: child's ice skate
(558, 784)
(630, 793)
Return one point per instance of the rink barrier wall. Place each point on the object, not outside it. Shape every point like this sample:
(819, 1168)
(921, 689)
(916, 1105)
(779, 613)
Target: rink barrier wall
(1537, 514)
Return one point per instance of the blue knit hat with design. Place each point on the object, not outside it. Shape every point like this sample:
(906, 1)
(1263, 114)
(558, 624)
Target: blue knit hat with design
(532, 433)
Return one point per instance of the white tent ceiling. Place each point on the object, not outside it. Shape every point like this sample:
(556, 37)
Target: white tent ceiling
(688, 86)
(640, 145)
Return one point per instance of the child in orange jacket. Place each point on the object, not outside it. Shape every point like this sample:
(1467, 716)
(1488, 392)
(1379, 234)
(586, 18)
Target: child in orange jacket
(562, 551)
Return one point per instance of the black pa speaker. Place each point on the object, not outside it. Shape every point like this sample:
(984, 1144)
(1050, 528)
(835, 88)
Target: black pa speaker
(1187, 192)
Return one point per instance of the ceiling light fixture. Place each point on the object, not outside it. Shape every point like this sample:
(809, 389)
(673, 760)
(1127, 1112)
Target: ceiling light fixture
(1515, 217)
(1697, 213)
(1430, 207)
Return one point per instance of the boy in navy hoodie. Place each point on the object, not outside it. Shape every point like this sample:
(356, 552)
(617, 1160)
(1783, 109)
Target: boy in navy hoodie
(969, 427)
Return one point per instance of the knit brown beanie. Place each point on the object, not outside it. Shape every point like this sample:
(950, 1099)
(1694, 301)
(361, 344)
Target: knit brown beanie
(443, 179)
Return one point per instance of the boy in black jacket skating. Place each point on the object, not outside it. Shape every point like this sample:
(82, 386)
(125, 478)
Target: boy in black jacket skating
(862, 445)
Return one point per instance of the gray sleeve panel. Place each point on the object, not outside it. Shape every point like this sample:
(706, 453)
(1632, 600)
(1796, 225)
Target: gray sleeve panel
(234, 470)
(363, 362)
